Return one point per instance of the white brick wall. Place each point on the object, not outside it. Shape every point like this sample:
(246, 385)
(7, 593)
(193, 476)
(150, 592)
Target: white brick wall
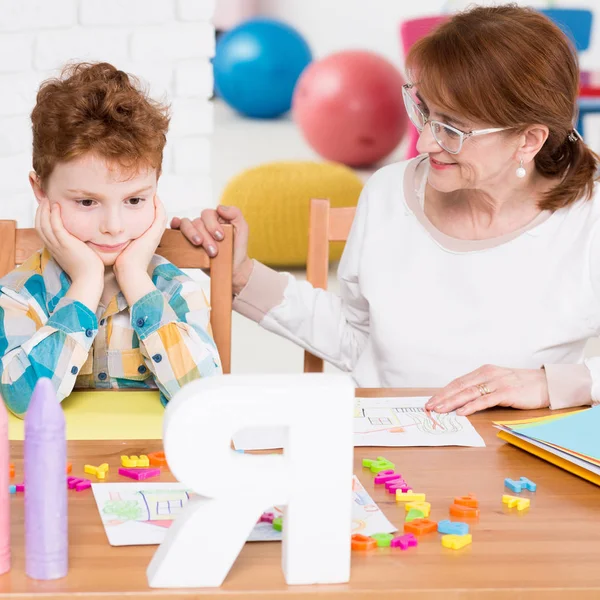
(167, 44)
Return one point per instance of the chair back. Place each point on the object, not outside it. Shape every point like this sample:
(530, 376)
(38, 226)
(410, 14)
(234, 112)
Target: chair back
(17, 245)
(326, 225)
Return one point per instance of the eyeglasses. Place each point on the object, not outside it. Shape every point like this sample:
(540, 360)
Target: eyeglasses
(449, 138)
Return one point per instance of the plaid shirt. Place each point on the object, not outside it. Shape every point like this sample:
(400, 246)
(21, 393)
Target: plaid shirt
(162, 341)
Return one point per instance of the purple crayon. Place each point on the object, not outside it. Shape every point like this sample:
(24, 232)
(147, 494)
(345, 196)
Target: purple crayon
(4, 492)
(46, 526)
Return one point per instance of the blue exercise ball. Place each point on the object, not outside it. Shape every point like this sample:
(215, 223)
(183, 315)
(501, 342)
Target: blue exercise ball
(257, 65)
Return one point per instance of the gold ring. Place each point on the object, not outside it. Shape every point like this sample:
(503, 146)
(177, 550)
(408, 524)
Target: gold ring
(483, 389)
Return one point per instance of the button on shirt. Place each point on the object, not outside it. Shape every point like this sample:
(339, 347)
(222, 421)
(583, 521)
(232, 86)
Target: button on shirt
(162, 341)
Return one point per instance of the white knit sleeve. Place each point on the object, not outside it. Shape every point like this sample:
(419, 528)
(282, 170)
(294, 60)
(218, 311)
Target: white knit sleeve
(333, 327)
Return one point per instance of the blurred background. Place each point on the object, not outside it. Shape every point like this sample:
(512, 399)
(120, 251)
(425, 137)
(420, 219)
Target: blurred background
(273, 102)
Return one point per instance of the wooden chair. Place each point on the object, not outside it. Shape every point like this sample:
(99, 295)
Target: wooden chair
(326, 225)
(16, 245)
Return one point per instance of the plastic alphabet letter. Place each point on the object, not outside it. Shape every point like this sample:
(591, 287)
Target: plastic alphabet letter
(448, 527)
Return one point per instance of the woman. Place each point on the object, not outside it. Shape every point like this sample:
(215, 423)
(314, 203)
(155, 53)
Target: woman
(485, 249)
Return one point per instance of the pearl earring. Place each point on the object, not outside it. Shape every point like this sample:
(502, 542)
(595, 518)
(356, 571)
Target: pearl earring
(521, 172)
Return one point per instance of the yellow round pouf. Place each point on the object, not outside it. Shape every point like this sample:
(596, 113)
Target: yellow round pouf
(275, 199)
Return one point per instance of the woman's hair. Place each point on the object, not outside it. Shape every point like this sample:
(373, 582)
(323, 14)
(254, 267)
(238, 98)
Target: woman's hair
(511, 67)
(94, 107)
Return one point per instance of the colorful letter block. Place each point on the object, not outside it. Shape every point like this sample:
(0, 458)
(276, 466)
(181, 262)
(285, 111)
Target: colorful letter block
(267, 517)
(78, 484)
(100, 471)
(135, 461)
(393, 486)
(456, 542)
(513, 486)
(387, 475)
(469, 500)
(383, 539)
(424, 507)
(528, 484)
(452, 528)
(157, 459)
(464, 512)
(520, 503)
(362, 542)
(409, 496)
(404, 541)
(139, 474)
(413, 514)
(420, 526)
(377, 465)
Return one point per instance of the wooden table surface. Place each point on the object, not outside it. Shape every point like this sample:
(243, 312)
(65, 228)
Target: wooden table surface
(552, 551)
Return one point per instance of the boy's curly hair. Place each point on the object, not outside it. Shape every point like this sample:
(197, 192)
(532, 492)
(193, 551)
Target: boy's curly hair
(94, 107)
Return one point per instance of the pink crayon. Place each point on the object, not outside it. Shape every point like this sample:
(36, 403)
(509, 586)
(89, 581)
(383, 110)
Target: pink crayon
(46, 525)
(4, 492)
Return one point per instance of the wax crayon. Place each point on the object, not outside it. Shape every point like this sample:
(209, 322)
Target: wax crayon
(46, 525)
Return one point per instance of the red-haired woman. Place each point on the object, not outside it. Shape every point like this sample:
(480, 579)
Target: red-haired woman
(483, 250)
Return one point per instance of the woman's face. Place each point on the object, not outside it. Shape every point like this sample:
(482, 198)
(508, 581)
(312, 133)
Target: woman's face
(483, 161)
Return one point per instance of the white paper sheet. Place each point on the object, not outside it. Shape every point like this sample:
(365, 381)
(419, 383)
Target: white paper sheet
(138, 513)
(383, 422)
(405, 422)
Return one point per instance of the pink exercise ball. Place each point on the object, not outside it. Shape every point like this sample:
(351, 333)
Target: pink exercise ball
(349, 107)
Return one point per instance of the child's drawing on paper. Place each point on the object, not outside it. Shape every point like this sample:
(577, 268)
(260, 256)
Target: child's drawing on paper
(139, 513)
(156, 507)
(398, 419)
(405, 422)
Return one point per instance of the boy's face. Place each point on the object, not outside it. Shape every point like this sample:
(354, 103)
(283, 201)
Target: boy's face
(100, 205)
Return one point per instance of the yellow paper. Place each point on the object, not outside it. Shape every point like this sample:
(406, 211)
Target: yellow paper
(536, 420)
(107, 415)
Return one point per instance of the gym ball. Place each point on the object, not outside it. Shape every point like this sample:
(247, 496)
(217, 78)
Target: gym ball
(256, 67)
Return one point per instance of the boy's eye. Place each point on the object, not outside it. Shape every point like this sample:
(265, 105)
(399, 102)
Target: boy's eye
(87, 202)
(136, 201)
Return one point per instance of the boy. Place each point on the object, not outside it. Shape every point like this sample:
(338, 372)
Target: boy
(96, 307)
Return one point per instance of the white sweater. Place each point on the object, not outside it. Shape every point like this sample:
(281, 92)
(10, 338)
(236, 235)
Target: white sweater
(418, 308)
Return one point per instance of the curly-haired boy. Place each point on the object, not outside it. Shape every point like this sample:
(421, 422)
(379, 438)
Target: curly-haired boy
(96, 308)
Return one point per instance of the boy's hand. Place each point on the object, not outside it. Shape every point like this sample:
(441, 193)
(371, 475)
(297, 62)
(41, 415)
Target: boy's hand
(138, 254)
(131, 266)
(75, 257)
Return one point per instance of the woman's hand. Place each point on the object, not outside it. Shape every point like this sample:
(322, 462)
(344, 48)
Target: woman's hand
(206, 231)
(492, 386)
(136, 257)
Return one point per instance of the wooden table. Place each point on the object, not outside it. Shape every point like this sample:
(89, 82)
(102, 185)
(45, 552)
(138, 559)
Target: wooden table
(553, 551)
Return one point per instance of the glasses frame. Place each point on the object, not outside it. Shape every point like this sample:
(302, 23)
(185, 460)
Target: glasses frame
(463, 135)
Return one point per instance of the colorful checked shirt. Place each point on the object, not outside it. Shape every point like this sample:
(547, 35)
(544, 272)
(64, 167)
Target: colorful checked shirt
(162, 341)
